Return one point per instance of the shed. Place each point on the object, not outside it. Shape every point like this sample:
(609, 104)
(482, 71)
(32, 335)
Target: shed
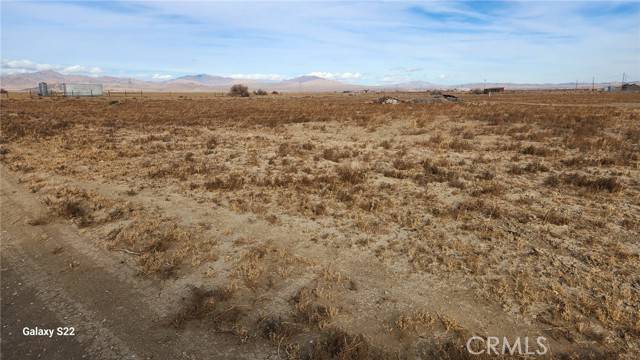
(43, 89)
(82, 89)
(493, 90)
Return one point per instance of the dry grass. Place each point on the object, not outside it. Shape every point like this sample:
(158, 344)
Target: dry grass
(527, 202)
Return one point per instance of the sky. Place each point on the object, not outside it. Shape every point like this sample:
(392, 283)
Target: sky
(359, 42)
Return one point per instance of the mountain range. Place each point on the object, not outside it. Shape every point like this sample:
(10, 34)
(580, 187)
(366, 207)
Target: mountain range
(205, 82)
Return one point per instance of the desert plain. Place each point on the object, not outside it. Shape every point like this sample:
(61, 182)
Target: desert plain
(322, 226)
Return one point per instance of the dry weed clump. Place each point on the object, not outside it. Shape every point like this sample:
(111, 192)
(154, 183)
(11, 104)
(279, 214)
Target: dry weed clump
(161, 244)
(610, 184)
(210, 305)
(335, 155)
(251, 266)
(85, 208)
(337, 344)
(535, 150)
(262, 267)
(402, 164)
(531, 167)
(229, 183)
(415, 322)
(434, 173)
(351, 174)
(488, 209)
(311, 309)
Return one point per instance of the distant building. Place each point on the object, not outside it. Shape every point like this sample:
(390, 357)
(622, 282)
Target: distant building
(630, 88)
(82, 89)
(493, 90)
(43, 90)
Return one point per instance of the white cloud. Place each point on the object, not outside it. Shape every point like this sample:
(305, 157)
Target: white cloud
(27, 66)
(442, 76)
(404, 69)
(23, 66)
(161, 76)
(79, 69)
(336, 76)
(273, 77)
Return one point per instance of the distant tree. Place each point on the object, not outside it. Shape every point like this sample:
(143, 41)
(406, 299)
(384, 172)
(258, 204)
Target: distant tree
(274, 92)
(260, 92)
(239, 90)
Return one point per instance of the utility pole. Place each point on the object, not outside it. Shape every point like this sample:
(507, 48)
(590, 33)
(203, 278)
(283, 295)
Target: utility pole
(593, 83)
(622, 83)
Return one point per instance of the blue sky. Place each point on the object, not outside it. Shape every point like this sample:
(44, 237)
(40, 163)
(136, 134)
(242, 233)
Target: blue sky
(359, 42)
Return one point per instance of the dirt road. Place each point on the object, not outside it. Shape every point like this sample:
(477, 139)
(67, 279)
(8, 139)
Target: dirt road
(52, 278)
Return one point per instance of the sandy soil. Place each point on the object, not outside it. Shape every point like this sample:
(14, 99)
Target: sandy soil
(52, 277)
(324, 226)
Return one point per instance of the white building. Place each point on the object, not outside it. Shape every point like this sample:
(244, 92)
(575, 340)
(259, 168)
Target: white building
(82, 89)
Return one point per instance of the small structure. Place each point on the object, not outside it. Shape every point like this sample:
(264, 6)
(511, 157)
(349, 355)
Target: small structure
(630, 88)
(43, 90)
(82, 89)
(493, 90)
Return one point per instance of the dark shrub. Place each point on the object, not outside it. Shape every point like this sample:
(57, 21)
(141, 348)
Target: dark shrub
(239, 90)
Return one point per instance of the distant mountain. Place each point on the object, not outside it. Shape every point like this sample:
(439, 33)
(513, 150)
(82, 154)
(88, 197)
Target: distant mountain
(203, 79)
(31, 80)
(200, 82)
(205, 82)
(304, 78)
(313, 83)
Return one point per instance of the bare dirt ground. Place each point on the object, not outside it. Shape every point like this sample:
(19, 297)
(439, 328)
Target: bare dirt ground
(321, 226)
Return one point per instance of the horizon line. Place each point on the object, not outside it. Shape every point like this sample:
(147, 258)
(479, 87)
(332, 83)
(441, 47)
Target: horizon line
(284, 79)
